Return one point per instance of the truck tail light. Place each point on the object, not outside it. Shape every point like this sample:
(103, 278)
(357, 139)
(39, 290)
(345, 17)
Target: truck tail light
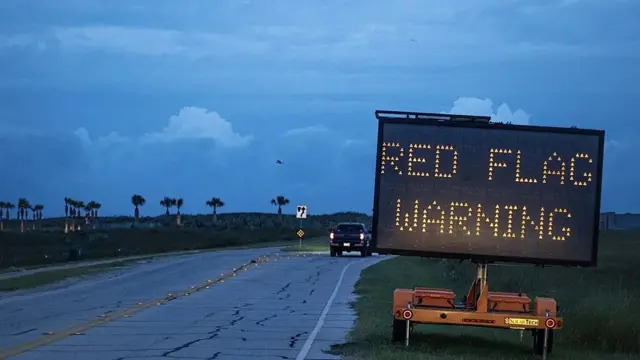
(361, 236)
(331, 236)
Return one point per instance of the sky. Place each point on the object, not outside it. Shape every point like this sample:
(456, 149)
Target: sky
(198, 98)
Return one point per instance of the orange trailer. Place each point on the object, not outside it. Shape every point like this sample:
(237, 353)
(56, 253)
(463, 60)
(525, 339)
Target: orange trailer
(480, 307)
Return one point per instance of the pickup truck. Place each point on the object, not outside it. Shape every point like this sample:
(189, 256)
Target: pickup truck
(349, 237)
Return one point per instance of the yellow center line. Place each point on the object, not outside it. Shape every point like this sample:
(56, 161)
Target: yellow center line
(54, 336)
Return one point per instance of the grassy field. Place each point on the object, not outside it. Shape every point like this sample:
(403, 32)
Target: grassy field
(309, 245)
(599, 307)
(115, 237)
(45, 248)
(56, 276)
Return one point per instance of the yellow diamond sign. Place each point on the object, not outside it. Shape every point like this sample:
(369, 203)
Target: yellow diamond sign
(300, 233)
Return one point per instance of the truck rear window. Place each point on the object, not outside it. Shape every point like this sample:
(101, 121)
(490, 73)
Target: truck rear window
(344, 228)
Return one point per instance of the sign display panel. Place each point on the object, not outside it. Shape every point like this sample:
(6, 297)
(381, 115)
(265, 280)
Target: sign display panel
(488, 192)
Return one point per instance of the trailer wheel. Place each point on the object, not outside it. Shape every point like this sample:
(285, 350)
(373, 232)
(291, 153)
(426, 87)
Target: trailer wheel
(363, 252)
(339, 252)
(399, 329)
(332, 252)
(538, 342)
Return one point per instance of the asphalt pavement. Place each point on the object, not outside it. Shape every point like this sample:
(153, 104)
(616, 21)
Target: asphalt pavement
(19, 272)
(283, 306)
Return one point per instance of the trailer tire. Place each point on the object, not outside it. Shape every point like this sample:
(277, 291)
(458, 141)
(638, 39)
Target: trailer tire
(332, 252)
(399, 330)
(538, 342)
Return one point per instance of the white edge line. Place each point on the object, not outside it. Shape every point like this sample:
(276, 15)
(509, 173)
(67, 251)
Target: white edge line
(302, 355)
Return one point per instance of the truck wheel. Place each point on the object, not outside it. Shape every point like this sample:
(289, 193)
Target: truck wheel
(363, 252)
(399, 329)
(332, 252)
(538, 341)
(339, 252)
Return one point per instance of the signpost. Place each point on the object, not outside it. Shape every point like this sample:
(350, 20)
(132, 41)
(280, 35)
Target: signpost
(301, 213)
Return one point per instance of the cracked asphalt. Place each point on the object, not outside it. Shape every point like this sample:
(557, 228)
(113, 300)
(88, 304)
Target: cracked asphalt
(289, 307)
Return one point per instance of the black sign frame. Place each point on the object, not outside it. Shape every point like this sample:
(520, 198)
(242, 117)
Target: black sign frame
(480, 122)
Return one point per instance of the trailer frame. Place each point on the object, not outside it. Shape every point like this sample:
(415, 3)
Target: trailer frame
(479, 308)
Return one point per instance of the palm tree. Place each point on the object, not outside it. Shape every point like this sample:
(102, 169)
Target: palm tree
(73, 212)
(23, 212)
(80, 205)
(178, 204)
(66, 206)
(88, 212)
(3, 205)
(7, 206)
(95, 207)
(137, 201)
(33, 216)
(280, 201)
(67, 202)
(167, 202)
(38, 214)
(215, 203)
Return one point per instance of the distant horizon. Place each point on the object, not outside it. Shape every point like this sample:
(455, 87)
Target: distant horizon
(222, 212)
(142, 215)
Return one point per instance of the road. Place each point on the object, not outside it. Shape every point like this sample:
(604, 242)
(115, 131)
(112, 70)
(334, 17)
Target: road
(30, 271)
(285, 306)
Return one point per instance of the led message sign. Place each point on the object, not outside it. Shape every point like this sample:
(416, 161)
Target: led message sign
(488, 191)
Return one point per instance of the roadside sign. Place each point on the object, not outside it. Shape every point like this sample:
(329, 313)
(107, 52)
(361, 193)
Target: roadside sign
(301, 212)
(300, 234)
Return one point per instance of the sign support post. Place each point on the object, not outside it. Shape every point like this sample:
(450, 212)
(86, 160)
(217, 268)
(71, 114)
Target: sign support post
(301, 213)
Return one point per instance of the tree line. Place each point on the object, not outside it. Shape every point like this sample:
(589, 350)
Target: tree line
(22, 213)
(73, 210)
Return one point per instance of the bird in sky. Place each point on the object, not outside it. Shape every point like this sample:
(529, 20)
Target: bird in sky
(279, 162)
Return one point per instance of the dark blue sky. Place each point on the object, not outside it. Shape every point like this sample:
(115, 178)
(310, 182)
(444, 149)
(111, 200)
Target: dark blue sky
(198, 98)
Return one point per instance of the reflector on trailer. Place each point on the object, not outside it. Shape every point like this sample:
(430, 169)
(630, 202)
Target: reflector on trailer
(550, 323)
(407, 314)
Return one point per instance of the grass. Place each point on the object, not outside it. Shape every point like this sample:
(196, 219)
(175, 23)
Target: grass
(599, 305)
(44, 243)
(56, 276)
(310, 245)
(47, 248)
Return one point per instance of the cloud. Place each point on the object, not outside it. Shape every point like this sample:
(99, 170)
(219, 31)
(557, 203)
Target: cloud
(41, 165)
(477, 106)
(618, 146)
(187, 136)
(305, 42)
(83, 135)
(191, 123)
(611, 144)
(156, 41)
(309, 130)
(353, 142)
(290, 33)
(112, 138)
(194, 123)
